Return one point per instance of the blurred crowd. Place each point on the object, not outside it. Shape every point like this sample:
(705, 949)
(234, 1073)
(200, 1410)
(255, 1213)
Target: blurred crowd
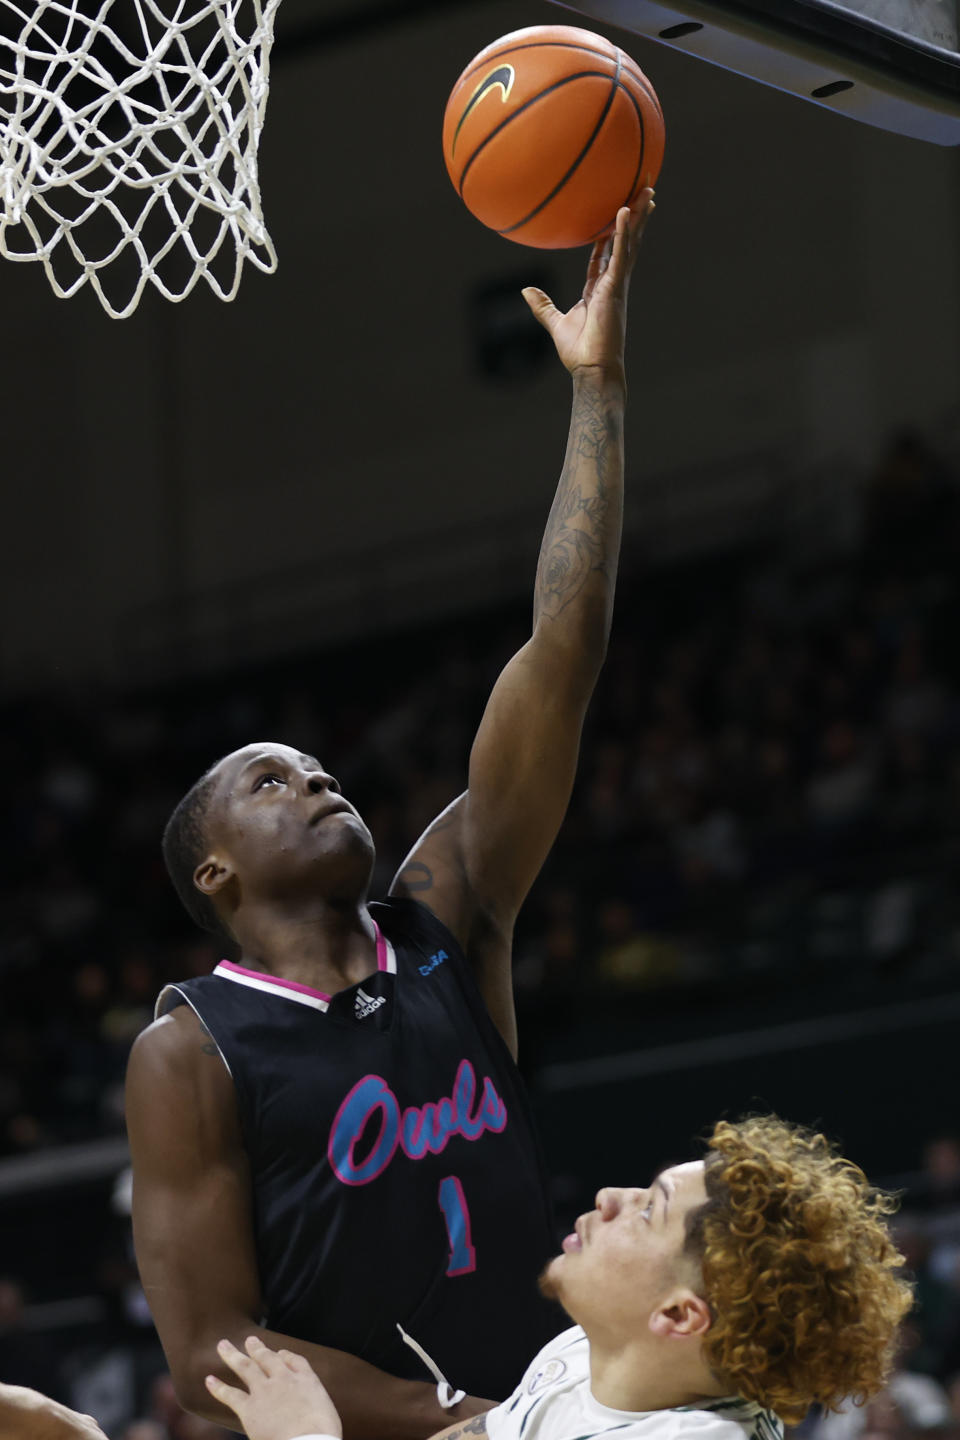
(923, 1396)
(770, 780)
(131, 1400)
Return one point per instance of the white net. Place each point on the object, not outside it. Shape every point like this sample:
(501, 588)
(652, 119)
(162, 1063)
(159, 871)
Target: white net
(128, 143)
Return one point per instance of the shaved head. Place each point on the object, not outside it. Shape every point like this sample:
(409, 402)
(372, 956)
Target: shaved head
(266, 824)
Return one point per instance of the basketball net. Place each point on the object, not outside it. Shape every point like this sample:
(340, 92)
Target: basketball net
(128, 143)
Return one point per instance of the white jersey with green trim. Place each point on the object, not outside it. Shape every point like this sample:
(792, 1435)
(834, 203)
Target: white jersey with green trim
(553, 1402)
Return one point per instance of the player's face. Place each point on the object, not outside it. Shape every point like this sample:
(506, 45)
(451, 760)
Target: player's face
(624, 1256)
(280, 821)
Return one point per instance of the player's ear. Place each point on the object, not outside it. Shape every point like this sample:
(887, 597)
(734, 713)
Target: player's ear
(683, 1314)
(211, 875)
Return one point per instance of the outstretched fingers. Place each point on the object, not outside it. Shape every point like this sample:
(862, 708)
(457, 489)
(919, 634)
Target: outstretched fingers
(619, 264)
(269, 1361)
(542, 306)
(294, 1362)
(625, 240)
(258, 1360)
(641, 212)
(229, 1395)
(599, 260)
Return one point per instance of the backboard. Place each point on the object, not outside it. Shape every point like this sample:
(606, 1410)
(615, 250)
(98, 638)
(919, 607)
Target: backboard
(890, 63)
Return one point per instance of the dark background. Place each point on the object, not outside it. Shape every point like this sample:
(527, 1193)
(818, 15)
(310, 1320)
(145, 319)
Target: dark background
(314, 514)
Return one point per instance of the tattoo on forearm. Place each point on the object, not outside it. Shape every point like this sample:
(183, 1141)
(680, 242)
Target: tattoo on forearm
(577, 540)
(476, 1426)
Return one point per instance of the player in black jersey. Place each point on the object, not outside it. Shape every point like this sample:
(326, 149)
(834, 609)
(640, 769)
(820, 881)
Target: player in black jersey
(331, 1145)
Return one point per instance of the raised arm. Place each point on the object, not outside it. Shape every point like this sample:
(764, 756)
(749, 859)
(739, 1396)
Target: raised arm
(194, 1239)
(475, 864)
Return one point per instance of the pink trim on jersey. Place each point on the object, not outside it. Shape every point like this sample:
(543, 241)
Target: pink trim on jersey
(383, 963)
(272, 980)
(383, 951)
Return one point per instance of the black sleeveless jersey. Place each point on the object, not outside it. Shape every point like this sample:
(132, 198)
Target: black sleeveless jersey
(396, 1176)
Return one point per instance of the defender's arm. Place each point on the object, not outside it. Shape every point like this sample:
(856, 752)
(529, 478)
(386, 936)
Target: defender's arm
(194, 1239)
(280, 1398)
(28, 1415)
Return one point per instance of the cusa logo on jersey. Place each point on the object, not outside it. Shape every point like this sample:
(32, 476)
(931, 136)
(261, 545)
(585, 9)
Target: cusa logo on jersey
(433, 962)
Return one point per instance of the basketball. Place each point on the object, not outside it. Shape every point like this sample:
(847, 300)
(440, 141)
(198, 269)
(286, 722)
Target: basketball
(548, 132)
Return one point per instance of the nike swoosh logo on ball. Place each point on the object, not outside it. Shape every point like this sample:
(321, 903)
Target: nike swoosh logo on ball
(503, 77)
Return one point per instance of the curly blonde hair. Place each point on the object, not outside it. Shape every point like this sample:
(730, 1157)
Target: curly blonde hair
(799, 1269)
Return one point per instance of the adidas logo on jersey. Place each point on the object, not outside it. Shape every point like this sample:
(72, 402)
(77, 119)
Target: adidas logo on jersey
(365, 1004)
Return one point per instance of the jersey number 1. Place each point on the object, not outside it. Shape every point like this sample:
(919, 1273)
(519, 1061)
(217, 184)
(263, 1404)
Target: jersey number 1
(456, 1216)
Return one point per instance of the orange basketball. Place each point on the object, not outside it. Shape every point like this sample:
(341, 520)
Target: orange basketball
(548, 132)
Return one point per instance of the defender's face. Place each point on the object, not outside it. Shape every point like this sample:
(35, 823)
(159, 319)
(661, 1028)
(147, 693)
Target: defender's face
(278, 815)
(624, 1256)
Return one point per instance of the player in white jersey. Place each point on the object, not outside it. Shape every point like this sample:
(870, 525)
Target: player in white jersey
(718, 1303)
(555, 1401)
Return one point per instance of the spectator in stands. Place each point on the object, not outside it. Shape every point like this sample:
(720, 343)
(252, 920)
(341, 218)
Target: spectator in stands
(922, 1350)
(941, 1168)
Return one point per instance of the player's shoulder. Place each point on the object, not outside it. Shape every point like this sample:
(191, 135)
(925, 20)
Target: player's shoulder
(571, 1342)
(554, 1401)
(565, 1358)
(181, 994)
(404, 920)
(559, 1366)
(169, 1040)
(730, 1418)
(174, 1067)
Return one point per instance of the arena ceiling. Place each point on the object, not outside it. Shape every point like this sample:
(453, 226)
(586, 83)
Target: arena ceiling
(302, 24)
